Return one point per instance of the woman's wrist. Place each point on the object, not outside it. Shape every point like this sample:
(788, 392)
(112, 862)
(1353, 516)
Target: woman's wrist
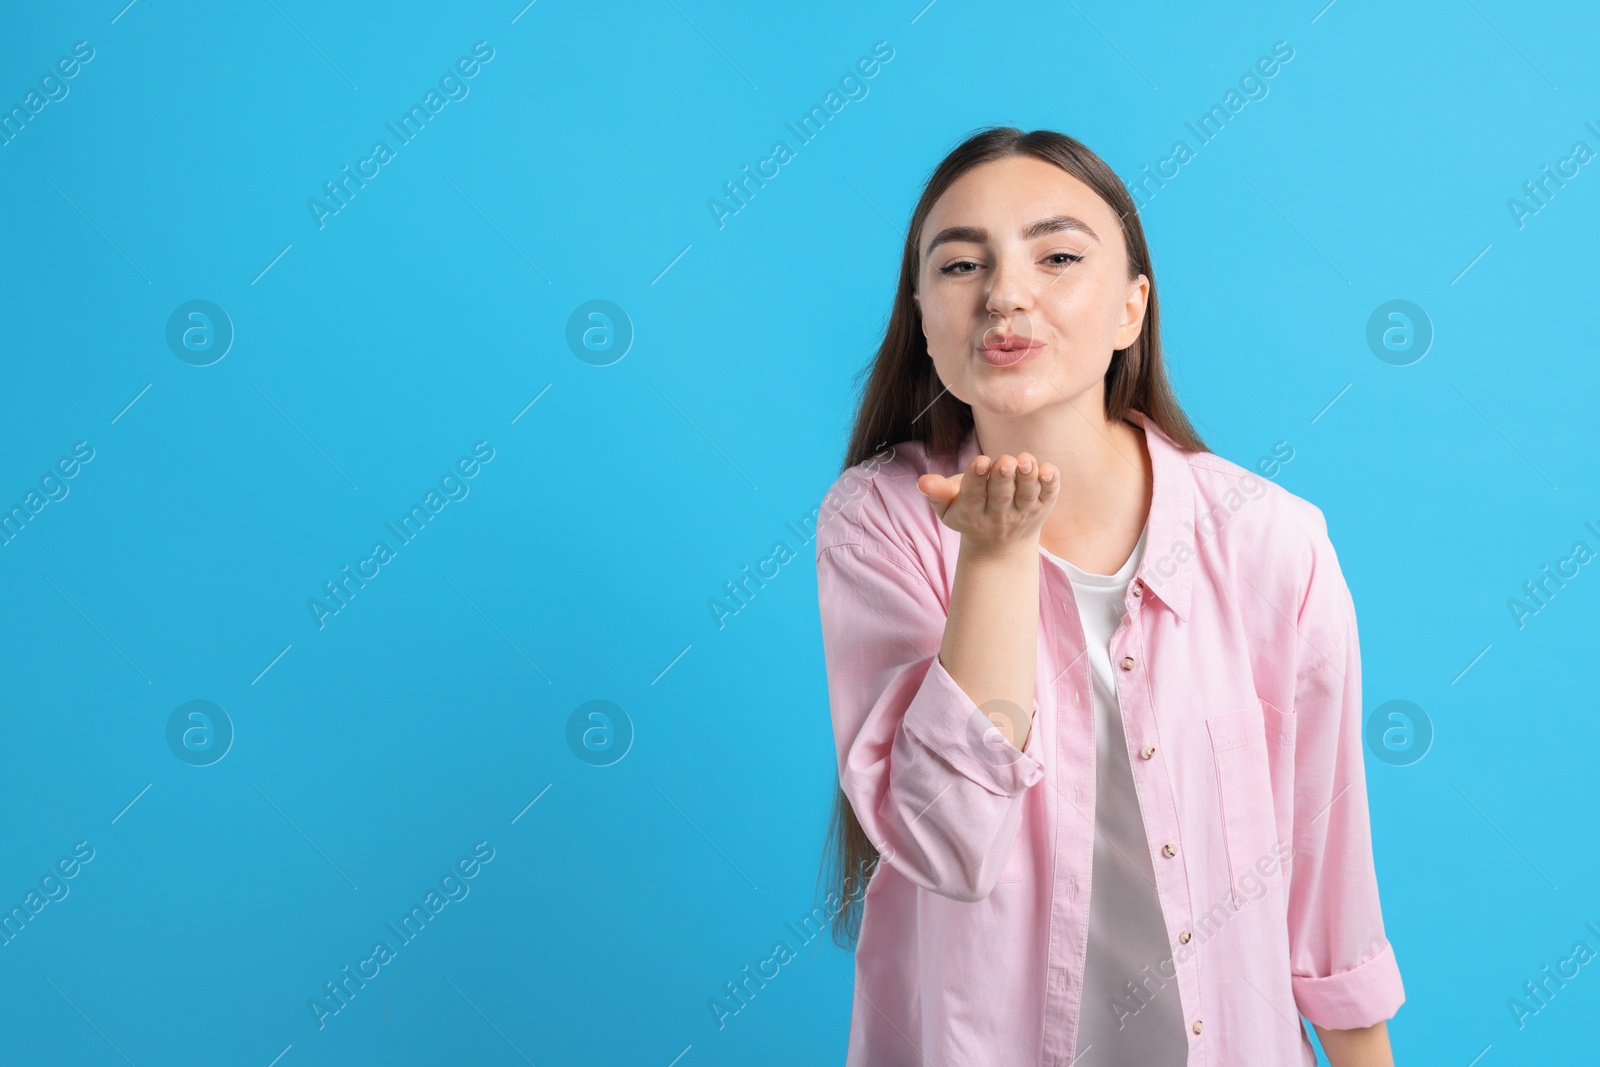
(1001, 555)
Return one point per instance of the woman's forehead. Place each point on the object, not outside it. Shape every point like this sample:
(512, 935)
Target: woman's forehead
(1015, 192)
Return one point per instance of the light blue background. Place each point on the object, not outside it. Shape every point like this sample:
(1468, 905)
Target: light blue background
(427, 315)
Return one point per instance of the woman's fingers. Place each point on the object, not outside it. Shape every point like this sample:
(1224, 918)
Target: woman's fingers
(937, 487)
(1002, 485)
(975, 490)
(940, 491)
(1049, 483)
(996, 487)
(1027, 494)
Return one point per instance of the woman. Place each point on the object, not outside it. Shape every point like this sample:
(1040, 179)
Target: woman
(1096, 692)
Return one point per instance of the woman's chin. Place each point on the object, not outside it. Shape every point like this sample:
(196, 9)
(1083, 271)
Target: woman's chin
(1013, 400)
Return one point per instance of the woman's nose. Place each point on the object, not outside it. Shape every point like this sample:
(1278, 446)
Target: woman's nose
(1008, 288)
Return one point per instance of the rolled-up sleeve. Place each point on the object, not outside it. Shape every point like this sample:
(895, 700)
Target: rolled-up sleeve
(1343, 969)
(934, 785)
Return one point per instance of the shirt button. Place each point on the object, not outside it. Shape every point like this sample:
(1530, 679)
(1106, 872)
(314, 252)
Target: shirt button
(1127, 663)
(1168, 850)
(1147, 751)
(1196, 1026)
(1138, 589)
(1183, 937)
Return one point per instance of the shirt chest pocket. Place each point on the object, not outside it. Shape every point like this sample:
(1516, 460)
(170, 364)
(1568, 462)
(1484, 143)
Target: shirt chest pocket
(1248, 747)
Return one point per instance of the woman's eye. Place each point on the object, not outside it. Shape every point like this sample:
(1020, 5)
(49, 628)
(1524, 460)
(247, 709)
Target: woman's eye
(966, 266)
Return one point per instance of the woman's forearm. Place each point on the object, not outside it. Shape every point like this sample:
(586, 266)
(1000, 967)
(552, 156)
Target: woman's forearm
(991, 635)
(1366, 1047)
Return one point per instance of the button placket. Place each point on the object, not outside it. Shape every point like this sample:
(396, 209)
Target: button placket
(1066, 908)
(1128, 663)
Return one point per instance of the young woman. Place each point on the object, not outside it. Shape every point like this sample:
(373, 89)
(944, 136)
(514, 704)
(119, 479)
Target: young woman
(1096, 691)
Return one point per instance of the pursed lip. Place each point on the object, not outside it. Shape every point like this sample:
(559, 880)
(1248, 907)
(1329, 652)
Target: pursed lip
(1010, 342)
(998, 354)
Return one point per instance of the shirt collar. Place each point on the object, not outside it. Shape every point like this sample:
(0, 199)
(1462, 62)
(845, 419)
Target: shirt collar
(1169, 545)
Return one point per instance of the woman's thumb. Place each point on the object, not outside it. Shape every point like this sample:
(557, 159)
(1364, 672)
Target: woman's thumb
(938, 488)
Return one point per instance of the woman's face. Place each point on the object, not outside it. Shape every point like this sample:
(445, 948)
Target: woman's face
(1023, 287)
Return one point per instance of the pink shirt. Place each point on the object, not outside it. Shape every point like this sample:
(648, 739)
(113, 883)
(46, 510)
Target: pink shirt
(1239, 681)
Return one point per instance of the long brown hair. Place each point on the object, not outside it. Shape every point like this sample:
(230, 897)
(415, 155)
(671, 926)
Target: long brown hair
(905, 401)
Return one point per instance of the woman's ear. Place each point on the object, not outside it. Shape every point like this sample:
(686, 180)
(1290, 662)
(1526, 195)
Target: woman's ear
(1133, 312)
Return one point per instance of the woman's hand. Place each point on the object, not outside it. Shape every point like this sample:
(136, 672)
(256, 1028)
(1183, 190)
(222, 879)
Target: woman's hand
(997, 506)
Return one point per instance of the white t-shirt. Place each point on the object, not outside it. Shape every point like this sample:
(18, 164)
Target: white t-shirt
(1121, 1027)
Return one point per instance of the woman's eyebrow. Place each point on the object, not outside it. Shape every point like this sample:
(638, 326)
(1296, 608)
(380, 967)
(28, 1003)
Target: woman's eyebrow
(978, 235)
